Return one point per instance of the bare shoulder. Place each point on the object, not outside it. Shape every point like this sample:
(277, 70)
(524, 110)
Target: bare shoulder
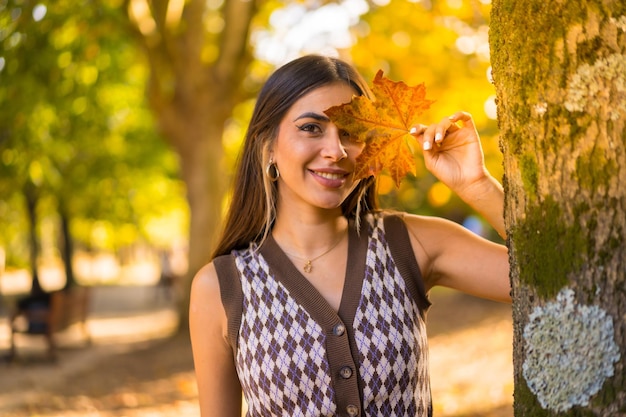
(429, 236)
(205, 304)
(437, 235)
(430, 224)
(454, 257)
(206, 284)
(434, 234)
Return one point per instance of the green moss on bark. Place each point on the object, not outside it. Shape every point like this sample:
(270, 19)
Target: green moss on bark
(523, 395)
(589, 50)
(608, 395)
(547, 248)
(530, 174)
(594, 169)
(532, 408)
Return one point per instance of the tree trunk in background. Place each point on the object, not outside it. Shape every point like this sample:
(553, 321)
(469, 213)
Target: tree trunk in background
(31, 197)
(559, 68)
(203, 173)
(192, 92)
(67, 247)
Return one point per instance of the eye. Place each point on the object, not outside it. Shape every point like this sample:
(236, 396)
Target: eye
(310, 128)
(345, 135)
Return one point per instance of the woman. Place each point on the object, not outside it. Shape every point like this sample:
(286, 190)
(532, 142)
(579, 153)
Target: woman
(314, 302)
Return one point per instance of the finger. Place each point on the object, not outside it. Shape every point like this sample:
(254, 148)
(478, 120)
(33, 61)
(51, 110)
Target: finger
(436, 133)
(444, 127)
(451, 124)
(461, 116)
(418, 131)
(428, 137)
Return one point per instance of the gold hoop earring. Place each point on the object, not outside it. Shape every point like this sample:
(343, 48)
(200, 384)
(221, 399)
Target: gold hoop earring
(268, 171)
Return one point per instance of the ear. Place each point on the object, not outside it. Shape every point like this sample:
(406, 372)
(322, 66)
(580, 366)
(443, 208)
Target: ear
(268, 152)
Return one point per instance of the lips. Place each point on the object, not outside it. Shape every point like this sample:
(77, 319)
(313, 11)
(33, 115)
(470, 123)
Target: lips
(330, 178)
(329, 175)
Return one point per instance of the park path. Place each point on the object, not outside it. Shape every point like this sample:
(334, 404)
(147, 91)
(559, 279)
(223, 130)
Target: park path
(136, 368)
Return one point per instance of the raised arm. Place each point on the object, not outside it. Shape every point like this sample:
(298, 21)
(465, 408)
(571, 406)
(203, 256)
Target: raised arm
(450, 255)
(219, 390)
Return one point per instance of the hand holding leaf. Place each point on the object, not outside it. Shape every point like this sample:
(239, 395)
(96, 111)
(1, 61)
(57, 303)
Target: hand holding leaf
(383, 125)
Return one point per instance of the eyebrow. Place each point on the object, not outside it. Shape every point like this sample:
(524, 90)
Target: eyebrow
(312, 115)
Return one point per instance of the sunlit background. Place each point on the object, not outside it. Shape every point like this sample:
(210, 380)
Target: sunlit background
(89, 139)
(83, 156)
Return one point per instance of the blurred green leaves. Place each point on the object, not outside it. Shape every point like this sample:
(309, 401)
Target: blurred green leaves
(74, 125)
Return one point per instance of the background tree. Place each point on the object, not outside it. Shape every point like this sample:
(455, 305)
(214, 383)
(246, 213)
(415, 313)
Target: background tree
(198, 56)
(74, 131)
(560, 75)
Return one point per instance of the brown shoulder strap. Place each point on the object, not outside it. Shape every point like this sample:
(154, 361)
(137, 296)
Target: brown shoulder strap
(403, 256)
(231, 294)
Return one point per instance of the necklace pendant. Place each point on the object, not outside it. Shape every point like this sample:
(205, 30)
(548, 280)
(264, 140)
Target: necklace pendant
(308, 267)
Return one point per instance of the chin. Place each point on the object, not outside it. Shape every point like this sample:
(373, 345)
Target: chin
(329, 205)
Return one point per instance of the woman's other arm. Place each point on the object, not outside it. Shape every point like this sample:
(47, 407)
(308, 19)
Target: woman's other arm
(219, 390)
(451, 255)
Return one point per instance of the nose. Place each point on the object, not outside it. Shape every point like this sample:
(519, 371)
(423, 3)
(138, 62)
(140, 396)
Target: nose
(333, 147)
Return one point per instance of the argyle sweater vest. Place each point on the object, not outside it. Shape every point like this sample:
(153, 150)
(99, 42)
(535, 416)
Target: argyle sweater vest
(296, 356)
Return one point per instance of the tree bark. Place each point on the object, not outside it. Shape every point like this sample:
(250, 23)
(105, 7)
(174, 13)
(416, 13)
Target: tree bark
(559, 68)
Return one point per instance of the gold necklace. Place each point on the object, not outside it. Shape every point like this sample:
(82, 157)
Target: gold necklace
(308, 263)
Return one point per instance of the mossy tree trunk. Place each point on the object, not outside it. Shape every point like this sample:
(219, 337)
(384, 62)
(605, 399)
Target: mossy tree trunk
(559, 68)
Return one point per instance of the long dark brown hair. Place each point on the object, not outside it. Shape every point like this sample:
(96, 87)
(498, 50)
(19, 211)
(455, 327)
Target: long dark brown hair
(253, 205)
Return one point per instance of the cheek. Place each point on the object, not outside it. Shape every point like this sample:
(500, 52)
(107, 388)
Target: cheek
(354, 149)
(285, 147)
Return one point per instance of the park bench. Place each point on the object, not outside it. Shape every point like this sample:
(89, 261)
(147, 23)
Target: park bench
(47, 317)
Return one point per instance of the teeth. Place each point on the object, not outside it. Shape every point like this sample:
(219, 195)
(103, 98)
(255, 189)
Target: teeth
(330, 176)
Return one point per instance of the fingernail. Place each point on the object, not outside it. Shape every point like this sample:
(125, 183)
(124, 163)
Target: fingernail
(438, 137)
(427, 146)
(413, 130)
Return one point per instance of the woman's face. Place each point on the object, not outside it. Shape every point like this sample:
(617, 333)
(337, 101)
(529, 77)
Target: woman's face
(315, 159)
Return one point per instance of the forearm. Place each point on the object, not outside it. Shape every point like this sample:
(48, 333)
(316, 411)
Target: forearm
(487, 198)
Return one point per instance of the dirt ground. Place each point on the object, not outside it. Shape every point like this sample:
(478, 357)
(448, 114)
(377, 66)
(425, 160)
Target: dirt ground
(470, 355)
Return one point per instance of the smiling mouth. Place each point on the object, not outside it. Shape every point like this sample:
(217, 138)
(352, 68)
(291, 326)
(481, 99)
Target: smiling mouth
(329, 175)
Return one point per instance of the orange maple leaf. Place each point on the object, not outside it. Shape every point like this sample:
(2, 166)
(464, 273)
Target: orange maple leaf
(383, 124)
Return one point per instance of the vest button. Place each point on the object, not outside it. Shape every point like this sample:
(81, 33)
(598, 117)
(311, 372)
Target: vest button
(339, 330)
(345, 372)
(352, 410)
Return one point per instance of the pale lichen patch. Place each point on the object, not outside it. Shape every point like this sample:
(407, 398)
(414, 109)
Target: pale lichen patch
(570, 352)
(539, 109)
(599, 87)
(619, 22)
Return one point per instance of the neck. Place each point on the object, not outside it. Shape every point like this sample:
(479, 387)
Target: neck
(307, 238)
